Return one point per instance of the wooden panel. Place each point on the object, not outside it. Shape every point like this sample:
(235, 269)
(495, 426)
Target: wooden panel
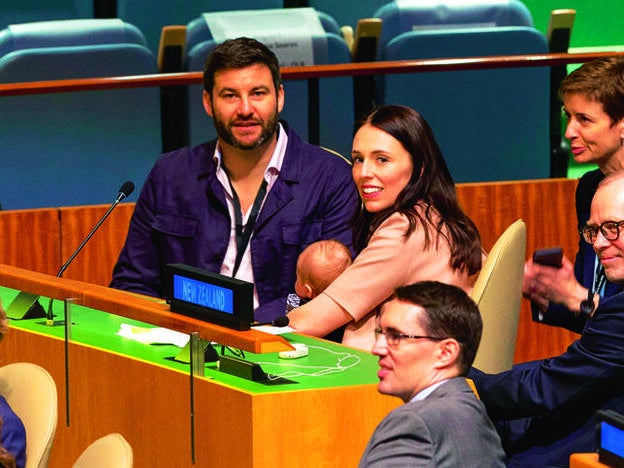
(586, 460)
(31, 239)
(150, 405)
(347, 416)
(94, 264)
(547, 207)
(110, 393)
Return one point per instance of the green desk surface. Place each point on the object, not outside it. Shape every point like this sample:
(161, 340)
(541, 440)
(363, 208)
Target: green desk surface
(327, 365)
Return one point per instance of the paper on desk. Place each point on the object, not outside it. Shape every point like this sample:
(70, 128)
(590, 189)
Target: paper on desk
(153, 335)
(274, 330)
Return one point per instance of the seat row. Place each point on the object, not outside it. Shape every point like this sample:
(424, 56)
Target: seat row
(491, 124)
(31, 392)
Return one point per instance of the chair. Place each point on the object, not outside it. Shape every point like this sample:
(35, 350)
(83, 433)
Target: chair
(31, 393)
(150, 16)
(491, 124)
(335, 94)
(348, 13)
(112, 450)
(399, 17)
(498, 292)
(27, 11)
(75, 148)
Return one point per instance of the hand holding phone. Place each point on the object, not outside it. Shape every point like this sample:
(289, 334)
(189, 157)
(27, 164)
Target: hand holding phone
(551, 257)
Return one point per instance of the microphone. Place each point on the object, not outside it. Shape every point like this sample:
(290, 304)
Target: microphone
(124, 191)
(281, 321)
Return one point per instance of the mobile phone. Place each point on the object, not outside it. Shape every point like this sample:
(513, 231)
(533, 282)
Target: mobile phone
(549, 257)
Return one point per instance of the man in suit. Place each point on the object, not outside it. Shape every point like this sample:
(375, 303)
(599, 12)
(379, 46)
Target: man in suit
(426, 338)
(545, 409)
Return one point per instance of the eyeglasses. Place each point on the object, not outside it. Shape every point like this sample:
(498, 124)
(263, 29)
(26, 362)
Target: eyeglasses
(394, 338)
(609, 229)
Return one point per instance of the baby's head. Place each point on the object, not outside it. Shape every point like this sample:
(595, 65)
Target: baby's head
(318, 265)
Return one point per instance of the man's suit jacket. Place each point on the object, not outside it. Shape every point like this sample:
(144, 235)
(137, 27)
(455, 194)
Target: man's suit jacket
(449, 428)
(584, 264)
(181, 216)
(545, 409)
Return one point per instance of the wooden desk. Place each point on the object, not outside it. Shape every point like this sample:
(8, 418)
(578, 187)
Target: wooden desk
(30, 239)
(586, 460)
(113, 384)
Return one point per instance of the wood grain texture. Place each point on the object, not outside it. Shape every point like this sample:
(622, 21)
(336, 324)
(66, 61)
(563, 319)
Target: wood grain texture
(547, 207)
(94, 264)
(29, 239)
(150, 405)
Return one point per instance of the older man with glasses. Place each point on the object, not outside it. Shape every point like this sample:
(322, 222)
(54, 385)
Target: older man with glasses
(426, 339)
(545, 410)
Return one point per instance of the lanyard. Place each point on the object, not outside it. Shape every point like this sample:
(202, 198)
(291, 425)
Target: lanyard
(587, 306)
(243, 233)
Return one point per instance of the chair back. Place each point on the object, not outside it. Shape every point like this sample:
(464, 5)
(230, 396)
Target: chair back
(401, 16)
(491, 124)
(21, 11)
(68, 33)
(498, 293)
(30, 391)
(150, 16)
(112, 450)
(75, 148)
(335, 94)
(348, 13)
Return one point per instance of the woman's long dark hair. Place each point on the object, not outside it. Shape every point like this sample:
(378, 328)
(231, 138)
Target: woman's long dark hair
(430, 187)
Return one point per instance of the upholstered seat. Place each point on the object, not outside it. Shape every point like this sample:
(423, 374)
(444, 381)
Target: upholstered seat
(31, 393)
(110, 451)
(491, 124)
(75, 148)
(498, 293)
(335, 94)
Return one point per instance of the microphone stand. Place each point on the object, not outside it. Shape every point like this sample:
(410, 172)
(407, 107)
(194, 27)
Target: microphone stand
(125, 190)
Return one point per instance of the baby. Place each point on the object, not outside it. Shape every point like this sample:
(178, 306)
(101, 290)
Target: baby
(318, 265)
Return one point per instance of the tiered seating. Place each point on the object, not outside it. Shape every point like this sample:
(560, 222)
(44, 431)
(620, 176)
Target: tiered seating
(150, 16)
(491, 124)
(75, 148)
(401, 16)
(27, 11)
(347, 13)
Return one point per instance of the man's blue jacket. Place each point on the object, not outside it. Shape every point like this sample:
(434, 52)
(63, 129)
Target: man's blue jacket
(181, 216)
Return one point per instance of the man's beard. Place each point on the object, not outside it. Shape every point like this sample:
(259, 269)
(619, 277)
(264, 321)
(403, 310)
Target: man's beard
(268, 130)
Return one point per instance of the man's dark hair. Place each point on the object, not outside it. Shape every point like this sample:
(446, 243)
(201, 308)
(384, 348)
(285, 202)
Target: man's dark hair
(449, 313)
(238, 53)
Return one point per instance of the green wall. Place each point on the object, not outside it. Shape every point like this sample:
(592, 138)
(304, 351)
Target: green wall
(597, 22)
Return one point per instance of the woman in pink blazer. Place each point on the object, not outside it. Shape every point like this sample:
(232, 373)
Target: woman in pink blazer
(408, 228)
